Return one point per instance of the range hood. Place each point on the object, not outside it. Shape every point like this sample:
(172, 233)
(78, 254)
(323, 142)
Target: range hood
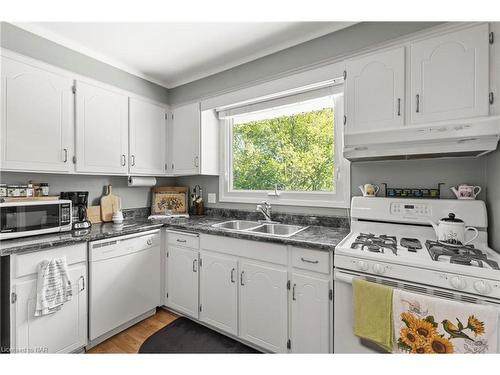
(471, 137)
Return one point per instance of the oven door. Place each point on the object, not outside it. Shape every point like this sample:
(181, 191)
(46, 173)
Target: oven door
(344, 340)
(32, 218)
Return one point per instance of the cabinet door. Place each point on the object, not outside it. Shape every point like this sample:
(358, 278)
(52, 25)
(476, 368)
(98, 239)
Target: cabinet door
(311, 324)
(449, 76)
(61, 332)
(219, 291)
(101, 130)
(182, 280)
(263, 306)
(36, 119)
(375, 90)
(186, 139)
(147, 135)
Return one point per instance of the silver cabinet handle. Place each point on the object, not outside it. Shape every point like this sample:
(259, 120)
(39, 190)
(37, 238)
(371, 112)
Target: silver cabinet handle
(293, 292)
(83, 283)
(149, 241)
(194, 264)
(241, 278)
(65, 155)
(418, 103)
(399, 106)
(196, 161)
(133, 160)
(124, 160)
(232, 275)
(309, 261)
(182, 241)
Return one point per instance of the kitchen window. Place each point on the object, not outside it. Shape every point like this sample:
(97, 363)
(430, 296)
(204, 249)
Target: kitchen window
(286, 149)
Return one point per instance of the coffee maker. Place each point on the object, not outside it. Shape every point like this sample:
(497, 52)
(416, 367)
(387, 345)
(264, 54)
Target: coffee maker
(79, 200)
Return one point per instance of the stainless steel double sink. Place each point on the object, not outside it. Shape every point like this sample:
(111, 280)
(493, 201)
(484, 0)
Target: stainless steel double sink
(261, 228)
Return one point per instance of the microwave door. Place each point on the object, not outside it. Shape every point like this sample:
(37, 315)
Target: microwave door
(33, 219)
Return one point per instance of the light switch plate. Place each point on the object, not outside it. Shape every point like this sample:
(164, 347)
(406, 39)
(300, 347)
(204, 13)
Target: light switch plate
(212, 197)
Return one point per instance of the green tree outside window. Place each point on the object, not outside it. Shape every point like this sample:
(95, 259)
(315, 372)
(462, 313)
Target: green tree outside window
(296, 152)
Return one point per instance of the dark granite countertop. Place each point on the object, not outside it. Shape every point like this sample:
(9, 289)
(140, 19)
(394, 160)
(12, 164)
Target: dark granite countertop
(96, 232)
(314, 237)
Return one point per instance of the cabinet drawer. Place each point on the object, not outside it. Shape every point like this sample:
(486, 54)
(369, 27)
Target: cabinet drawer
(183, 239)
(312, 260)
(27, 264)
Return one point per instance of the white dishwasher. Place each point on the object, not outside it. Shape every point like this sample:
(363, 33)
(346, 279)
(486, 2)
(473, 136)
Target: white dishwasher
(124, 277)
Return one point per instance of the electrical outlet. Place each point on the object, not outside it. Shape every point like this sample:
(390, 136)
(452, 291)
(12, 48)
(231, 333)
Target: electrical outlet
(212, 198)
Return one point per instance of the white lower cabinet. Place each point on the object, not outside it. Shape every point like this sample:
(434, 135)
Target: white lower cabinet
(310, 314)
(272, 296)
(219, 291)
(182, 280)
(64, 331)
(263, 306)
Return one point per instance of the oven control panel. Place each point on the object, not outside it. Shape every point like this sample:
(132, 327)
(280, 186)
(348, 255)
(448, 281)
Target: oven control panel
(410, 209)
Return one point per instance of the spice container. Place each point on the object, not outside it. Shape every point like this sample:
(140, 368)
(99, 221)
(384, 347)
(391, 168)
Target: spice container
(3, 190)
(29, 190)
(14, 190)
(44, 187)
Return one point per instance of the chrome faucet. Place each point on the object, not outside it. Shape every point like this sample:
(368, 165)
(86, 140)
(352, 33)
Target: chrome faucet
(265, 209)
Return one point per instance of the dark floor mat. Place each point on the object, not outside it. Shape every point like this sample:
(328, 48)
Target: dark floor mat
(185, 336)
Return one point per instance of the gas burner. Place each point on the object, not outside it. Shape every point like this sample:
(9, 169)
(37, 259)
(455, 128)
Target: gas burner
(375, 244)
(464, 255)
(412, 244)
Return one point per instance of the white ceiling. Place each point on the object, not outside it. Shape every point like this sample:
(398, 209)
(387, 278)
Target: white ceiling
(172, 54)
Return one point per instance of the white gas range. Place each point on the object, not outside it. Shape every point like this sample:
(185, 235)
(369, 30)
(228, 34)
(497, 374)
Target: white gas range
(392, 242)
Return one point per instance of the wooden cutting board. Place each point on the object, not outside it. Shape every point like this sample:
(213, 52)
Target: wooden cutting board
(94, 214)
(110, 203)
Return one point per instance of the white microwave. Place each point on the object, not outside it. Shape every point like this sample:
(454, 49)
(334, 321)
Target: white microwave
(29, 218)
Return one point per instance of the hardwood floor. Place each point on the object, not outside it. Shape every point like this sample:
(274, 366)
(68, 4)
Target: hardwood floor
(130, 340)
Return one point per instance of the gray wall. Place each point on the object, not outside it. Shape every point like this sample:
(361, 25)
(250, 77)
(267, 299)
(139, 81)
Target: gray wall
(493, 197)
(330, 46)
(132, 197)
(29, 44)
(414, 173)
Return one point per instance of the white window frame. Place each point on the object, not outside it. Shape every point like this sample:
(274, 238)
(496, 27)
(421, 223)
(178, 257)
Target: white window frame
(338, 199)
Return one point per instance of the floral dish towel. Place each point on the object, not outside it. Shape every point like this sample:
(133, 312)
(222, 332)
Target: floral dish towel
(426, 325)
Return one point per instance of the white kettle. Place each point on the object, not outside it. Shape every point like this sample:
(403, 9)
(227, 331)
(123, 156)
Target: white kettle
(451, 231)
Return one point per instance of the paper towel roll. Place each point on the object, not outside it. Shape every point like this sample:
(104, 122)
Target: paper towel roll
(141, 181)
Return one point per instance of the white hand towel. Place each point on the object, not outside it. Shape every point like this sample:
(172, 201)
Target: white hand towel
(53, 287)
(426, 324)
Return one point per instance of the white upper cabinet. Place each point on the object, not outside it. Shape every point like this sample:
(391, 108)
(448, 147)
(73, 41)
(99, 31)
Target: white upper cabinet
(101, 130)
(449, 76)
(186, 139)
(375, 90)
(147, 138)
(194, 141)
(36, 119)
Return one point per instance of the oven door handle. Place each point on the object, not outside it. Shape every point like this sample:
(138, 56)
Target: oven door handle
(344, 277)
